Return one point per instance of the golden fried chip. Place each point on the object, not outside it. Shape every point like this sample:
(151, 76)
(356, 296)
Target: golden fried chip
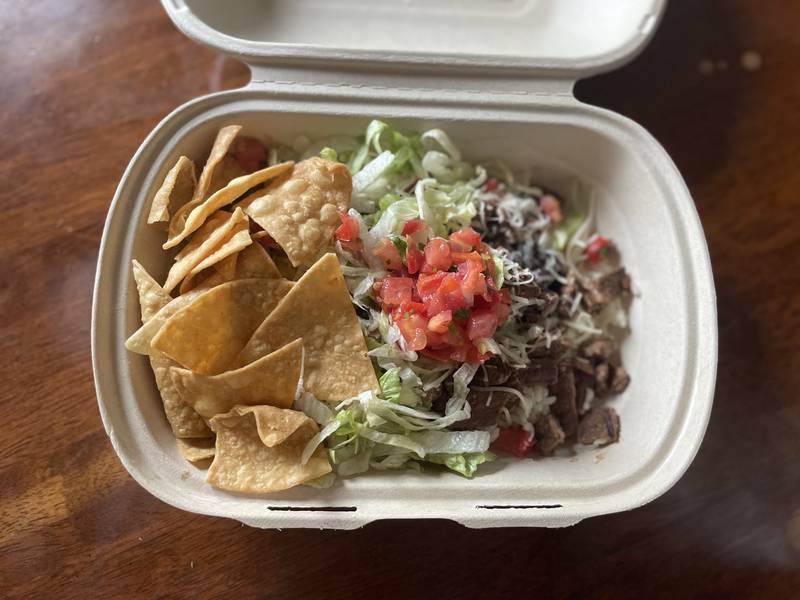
(183, 420)
(206, 335)
(259, 450)
(140, 340)
(220, 198)
(227, 266)
(222, 235)
(227, 170)
(198, 451)
(152, 297)
(222, 144)
(319, 310)
(251, 262)
(300, 210)
(272, 379)
(254, 261)
(176, 191)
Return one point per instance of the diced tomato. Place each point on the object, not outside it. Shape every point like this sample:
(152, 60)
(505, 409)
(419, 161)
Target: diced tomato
(475, 356)
(481, 324)
(454, 336)
(437, 254)
(440, 353)
(473, 282)
(435, 340)
(249, 153)
(594, 250)
(551, 206)
(515, 440)
(427, 284)
(491, 185)
(396, 290)
(459, 353)
(473, 257)
(452, 294)
(441, 322)
(413, 327)
(388, 254)
(414, 257)
(465, 240)
(413, 226)
(411, 308)
(434, 304)
(348, 230)
(502, 311)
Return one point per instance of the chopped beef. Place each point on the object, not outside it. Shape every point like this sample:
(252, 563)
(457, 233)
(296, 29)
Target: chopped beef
(486, 407)
(598, 293)
(539, 371)
(602, 379)
(581, 365)
(494, 372)
(565, 408)
(436, 399)
(600, 425)
(556, 348)
(602, 350)
(544, 304)
(619, 380)
(549, 434)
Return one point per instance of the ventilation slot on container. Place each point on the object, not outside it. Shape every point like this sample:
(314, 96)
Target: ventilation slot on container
(313, 508)
(507, 506)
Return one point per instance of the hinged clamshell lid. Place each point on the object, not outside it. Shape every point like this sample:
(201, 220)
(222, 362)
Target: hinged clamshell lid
(564, 39)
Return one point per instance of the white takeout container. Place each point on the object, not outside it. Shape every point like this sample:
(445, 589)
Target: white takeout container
(497, 75)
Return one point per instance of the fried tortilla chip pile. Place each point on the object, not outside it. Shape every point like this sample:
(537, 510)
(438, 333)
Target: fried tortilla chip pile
(230, 351)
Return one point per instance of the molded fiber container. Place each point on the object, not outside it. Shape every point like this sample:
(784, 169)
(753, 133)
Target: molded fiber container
(497, 75)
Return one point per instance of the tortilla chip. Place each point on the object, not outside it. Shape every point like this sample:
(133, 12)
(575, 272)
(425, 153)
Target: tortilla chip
(227, 170)
(319, 310)
(206, 335)
(258, 450)
(300, 210)
(182, 418)
(254, 261)
(222, 144)
(198, 451)
(152, 296)
(224, 234)
(140, 340)
(271, 380)
(225, 196)
(251, 262)
(176, 191)
(227, 266)
(248, 199)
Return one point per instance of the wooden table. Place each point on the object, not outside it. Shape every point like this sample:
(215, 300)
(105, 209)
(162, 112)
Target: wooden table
(82, 86)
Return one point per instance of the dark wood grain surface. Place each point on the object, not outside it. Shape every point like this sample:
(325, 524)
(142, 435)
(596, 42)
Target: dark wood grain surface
(81, 85)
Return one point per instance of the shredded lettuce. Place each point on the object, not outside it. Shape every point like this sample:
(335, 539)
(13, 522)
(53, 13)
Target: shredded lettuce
(400, 385)
(366, 422)
(329, 154)
(466, 464)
